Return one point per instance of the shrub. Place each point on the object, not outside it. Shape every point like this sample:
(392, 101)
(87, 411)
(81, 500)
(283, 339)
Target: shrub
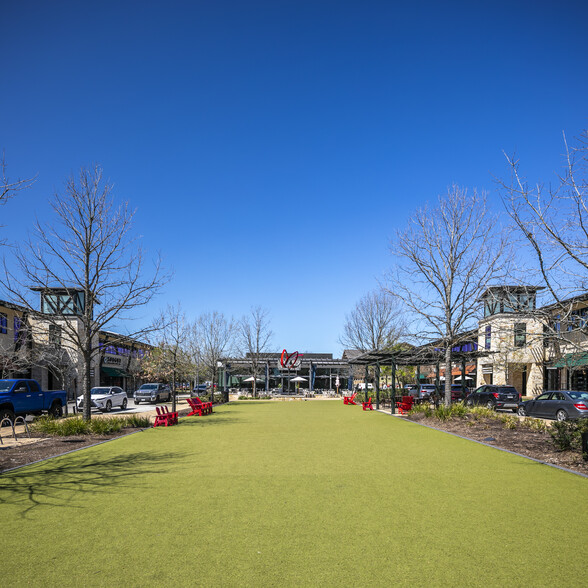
(534, 424)
(424, 408)
(76, 425)
(567, 435)
(104, 426)
(509, 421)
(137, 421)
(63, 427)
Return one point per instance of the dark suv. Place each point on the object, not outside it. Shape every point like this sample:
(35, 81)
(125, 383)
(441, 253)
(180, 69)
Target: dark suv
(494, 397)
(152, 393)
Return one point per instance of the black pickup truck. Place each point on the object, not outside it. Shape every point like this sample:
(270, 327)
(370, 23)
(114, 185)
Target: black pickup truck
(494, 397)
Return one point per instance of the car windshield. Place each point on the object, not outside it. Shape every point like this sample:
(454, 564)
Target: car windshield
(148, 387)
(6, 385)
(578, 395)
(94, 391)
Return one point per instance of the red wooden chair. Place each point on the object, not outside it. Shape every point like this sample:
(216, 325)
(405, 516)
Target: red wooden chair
(349, 399)
(198, 407)
(406, 404)
(162, 418)
(172, 416)
(367, 405)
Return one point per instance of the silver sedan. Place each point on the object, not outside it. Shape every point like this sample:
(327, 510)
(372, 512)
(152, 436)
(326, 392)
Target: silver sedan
(560, 404)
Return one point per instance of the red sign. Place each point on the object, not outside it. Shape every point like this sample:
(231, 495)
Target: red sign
(291, 361)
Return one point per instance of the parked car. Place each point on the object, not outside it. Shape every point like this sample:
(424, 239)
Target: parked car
(494, 397)
(422, 391)
(561, 405)
(200, 389)
(153, 393)
(105, 398)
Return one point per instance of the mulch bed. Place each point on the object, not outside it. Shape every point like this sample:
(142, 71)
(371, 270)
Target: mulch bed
(521, 440)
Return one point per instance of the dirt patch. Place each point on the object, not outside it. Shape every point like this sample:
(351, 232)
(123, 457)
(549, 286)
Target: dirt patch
(523, 440)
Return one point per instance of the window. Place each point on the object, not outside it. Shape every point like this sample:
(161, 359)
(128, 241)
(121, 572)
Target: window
(55, 335)
(488, 337)
(17, 326)
(557, 323)
(3, 323)
(33, 386)
(520, 334)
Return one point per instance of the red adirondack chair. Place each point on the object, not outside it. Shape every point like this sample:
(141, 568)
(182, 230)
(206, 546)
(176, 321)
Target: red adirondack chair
(198, 407)
(163, 418)
(406, 404)
(350, 399)
(172, 416)
(367, 405)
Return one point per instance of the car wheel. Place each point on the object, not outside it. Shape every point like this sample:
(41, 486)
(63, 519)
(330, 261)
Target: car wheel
(470, 403)
(108, 406)
(56, 410)
(561, 415)
(137, 402)
(490, 405)
(6, 413)
(157, 399)
(522, 411)
(124, 404)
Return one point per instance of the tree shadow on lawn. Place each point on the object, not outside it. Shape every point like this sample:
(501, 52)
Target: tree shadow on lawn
(57, 481)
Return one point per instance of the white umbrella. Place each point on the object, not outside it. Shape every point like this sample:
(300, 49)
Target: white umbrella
(299, 379)
(252, 379)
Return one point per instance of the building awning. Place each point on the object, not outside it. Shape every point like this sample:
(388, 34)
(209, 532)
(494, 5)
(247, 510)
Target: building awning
(571, 360)
(113, 372)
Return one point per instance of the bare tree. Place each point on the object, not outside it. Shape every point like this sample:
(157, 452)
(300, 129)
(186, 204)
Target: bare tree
(254, 336)
(88, 267)
(374, 324)
(173, 339)
(215, 337)
(447, 257)
(8, 187)
(553, 220)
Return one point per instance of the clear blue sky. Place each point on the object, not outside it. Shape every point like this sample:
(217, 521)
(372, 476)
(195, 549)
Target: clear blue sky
(272, 148)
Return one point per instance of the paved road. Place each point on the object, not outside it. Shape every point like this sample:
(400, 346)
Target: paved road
(131, 407)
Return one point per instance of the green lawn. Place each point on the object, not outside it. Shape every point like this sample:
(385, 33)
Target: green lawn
(289, 494)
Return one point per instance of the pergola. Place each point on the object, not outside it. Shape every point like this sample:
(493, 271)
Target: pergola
(418, 356)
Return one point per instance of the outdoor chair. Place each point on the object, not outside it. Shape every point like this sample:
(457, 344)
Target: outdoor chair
(349, 399)
(198, 407)
(367, 405)
(406, 405)
(165, 418)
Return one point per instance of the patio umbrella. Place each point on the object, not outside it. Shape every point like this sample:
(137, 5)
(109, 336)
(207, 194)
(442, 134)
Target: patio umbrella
(299, 379)
(252, 379)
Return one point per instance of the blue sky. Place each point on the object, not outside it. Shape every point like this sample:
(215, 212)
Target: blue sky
(272, 148)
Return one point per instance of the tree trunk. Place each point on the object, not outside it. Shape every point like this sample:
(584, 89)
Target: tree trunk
(448, 374)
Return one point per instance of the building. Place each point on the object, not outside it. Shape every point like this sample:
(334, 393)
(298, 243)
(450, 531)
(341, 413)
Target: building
(42, 345)
(533, 348)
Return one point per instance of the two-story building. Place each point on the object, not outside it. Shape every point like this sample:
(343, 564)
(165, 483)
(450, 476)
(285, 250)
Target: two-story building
(44, 345)
(529, 347)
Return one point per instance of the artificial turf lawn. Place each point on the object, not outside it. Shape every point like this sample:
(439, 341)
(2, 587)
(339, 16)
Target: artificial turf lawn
(292, 493)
